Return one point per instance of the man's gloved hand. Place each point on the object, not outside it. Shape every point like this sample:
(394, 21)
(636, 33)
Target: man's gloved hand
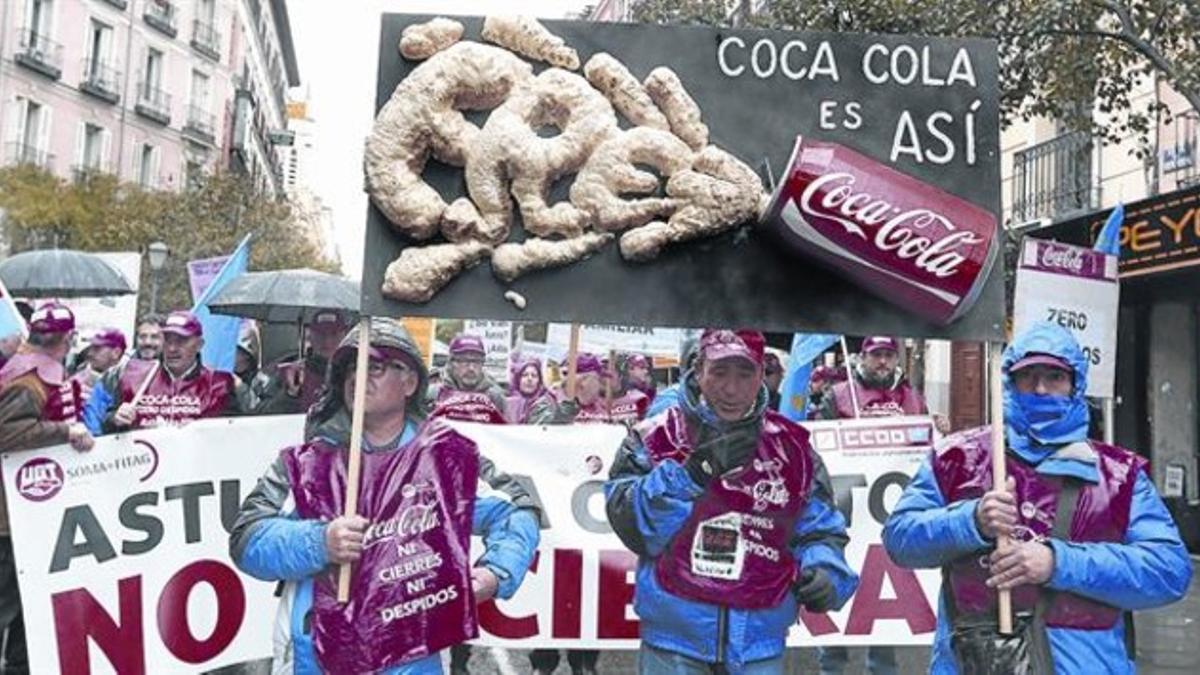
(815, 591)
(701, 465)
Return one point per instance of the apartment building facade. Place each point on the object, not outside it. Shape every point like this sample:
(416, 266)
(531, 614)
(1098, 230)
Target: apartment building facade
(155, 92)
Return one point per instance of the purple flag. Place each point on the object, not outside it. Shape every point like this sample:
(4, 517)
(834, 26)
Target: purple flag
(410, 595)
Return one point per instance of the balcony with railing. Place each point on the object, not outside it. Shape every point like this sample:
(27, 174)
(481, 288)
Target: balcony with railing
(161, 15)
(1179, 160)
(206, 40)
(153, 103)
(200, 124)
(38, 52)
(1054, 179)
(101, 80)
(25, 154)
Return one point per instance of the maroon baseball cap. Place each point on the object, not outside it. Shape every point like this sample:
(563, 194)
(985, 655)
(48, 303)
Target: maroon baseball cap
(1036, 359)
(877, 342)
(467, 344)
(183, 324)
(109, 337)
(588, 363)
(52, 317)
(725, 344)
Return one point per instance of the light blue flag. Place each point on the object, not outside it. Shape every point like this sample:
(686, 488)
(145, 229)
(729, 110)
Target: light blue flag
(1109, 241)
(793, 391)
(221, 332)
(11, 321)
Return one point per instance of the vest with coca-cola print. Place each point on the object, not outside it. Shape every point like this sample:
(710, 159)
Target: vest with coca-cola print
(171, 401)
(877, 402)
(467, 406)
(733, 550)
(964, 471)
(627, 409)
(63, 396)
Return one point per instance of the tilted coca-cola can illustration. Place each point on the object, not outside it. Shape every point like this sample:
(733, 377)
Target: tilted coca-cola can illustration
(904, 240)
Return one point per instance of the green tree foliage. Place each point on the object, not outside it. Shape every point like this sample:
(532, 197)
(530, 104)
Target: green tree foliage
(1061, 59)
(101, 214)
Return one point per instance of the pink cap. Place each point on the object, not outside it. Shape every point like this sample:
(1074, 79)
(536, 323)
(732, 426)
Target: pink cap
(725, 344)
(1040, 360)
(467, 344)
(877, 342)
(109, 337)
(52, 317)
(588, 363)
(183, 324)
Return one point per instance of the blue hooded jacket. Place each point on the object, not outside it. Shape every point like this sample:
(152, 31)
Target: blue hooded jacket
(648, 505)
(1150, 568)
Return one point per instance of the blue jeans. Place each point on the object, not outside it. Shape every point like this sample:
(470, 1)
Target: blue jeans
(881, 660)
(655, 661)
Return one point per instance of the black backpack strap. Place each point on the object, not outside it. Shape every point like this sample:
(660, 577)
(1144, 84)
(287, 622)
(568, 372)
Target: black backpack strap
(1064, 513)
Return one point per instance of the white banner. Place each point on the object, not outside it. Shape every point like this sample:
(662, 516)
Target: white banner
(1076, 288)
(113, 311)
(599, 339)
(122, 552)
(497, 340)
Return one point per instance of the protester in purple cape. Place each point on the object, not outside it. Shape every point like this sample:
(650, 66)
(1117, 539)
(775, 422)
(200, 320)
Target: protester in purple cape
(271, 542)
(295, 384)
(464, 372)
(637, 373)
(529, 401)
(731, 513)
(38, 407)
(1081, 577)
(880, 387)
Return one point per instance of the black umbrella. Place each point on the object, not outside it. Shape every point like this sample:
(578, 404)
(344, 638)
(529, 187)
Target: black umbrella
(57, 273)
(285, 296)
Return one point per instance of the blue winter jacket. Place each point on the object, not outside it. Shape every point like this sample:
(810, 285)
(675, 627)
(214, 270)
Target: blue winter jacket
(648, 505)
(268, 542)
(1150, 568)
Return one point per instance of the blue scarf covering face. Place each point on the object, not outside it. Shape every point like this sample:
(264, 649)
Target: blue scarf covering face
(1037, 423)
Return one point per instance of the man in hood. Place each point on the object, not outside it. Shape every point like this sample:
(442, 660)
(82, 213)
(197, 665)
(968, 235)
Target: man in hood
(1090, 538)
(269, 541)
(731, 514)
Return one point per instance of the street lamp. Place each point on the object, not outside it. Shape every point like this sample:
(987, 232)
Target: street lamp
(157, 254)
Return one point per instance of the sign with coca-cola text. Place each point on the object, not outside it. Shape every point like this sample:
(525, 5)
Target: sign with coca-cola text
(904, 240)
(1078, 289)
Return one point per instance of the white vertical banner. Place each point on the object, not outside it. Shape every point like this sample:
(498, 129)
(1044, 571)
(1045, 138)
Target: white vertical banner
(497, 340)
(1076, 288)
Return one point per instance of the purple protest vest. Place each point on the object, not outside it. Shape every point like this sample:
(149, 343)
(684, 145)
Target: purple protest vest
(900, 400)
(410, 595)
(733, 550)
(627, 410)
(468, 406)
(964, 471)
(63, 397)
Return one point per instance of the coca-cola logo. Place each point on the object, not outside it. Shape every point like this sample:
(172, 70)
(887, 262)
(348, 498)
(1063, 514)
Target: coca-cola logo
(931, 240)
(39, 479)
(1063, 258)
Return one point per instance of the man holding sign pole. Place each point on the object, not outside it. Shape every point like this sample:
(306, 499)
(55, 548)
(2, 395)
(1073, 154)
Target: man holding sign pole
(287, 529)
(1090, 538)
(731, 513)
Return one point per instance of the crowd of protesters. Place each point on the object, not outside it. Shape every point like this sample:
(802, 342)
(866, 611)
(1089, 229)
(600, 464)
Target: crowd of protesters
(676, 496)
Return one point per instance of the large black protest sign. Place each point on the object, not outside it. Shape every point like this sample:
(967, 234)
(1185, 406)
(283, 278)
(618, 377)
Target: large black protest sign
(891, 105)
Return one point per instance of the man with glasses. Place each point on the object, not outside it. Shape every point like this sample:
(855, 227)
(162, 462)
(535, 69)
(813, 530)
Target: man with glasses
(39, 406)
(465, 374)
(270, 541)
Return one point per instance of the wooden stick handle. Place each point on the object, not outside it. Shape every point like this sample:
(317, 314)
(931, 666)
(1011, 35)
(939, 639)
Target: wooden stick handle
(572, 357)
(356, 434)
(999, 469)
